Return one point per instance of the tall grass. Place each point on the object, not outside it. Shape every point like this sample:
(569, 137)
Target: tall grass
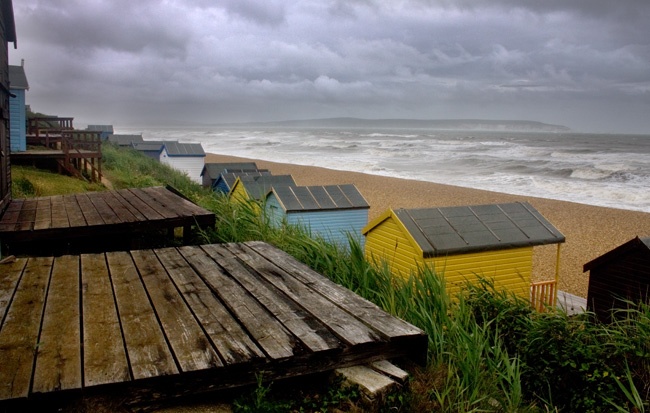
(488, 351)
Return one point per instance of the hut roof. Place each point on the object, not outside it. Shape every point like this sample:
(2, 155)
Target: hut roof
(100, 128)
(231, 177)
(315, 198)
(464, 229)
(214, 169)
(258, 186)
(9, 23)
(638, 244)
(125, 140)
(175, 148)
(148, 145)
(17, 78)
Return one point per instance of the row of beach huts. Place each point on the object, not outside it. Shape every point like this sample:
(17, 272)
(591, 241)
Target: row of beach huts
(462, 242)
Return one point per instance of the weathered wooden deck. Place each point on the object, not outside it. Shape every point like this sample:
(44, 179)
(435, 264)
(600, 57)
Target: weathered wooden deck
(162, 322)
(99, 217)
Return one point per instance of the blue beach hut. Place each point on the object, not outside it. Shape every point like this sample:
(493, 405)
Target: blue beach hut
(333, 211)
(225, 181)
(17, 113)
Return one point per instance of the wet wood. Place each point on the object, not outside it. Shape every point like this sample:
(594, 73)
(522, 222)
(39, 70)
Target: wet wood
(58, 365)
(232, 343)
(20, 329)
(94, 214)
(176, 321)
(147, 348)
(192, 349)
(104, 356)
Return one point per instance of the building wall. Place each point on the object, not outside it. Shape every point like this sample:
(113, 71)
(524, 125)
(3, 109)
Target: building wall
(626, 277)
(191, 165)
(17, 126)
(5, 165)
(388, 243)
(509, 269)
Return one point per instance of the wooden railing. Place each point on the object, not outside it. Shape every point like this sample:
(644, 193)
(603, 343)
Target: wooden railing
(83, 152)
(543, 294)
(52, 124)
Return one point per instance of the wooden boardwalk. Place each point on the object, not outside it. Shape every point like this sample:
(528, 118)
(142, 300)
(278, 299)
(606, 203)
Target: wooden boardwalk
(163, 322)
(98, 216)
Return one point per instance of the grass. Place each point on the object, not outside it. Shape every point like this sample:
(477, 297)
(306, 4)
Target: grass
(488, 351)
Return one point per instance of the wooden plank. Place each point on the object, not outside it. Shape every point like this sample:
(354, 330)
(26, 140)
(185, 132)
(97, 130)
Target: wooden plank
(104, 358)
(123, 213)
(59, 215)
(27, 215)
(231, 341)
(43, 218)
(19, 334)
(10, 274)
(191, 347)
(268, 332)
(366, 311)
(8, 220)
(140, 205)
(343, 324)
(58, 361)
(160, 205)
(148, 351)
(180, 205)
(73, 211)
(104, 210)
(118, 196)
(313, 334)
(88, 210)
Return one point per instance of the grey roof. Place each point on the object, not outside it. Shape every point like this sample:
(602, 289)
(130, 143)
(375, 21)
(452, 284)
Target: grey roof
(125, 140)
(231, 177)
(452, 230)
(17, 78)
(100, 128)
(183, 149)
(148, 145)
(315, 198)
(258, 186)
(639, 244)
(215, 169)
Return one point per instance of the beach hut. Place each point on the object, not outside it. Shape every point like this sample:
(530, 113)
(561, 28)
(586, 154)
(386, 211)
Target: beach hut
(255, 188)
(17, 113)
(105, 131)
(152, 149)
(212, 170)
(491, 241)
(622, 274)
(332, 211)
(125, 140)
(185, 157)
(8, 31)
(225, 182)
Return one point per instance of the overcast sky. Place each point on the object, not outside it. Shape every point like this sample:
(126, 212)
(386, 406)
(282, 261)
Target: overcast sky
(584, 64)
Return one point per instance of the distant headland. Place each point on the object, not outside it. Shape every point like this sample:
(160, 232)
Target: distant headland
(442, 124)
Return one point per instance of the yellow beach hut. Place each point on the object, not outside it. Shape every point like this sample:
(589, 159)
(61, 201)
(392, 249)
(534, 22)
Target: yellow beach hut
(461, 243)
(255, 188)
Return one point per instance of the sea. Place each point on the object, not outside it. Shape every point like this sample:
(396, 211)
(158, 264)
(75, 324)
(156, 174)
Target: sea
(610, 170)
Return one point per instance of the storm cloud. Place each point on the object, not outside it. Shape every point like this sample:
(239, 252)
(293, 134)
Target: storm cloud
(584, 64)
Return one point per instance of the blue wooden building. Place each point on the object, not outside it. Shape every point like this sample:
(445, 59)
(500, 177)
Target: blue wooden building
(212, 170)
(225, 181)
(105, 131)
(333, 212)
(17, 113)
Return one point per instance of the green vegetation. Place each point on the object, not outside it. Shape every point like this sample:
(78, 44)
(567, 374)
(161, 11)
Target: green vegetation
(488, 351)
(30, 182)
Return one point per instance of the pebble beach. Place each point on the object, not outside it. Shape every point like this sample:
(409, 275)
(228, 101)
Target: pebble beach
(590, 231)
